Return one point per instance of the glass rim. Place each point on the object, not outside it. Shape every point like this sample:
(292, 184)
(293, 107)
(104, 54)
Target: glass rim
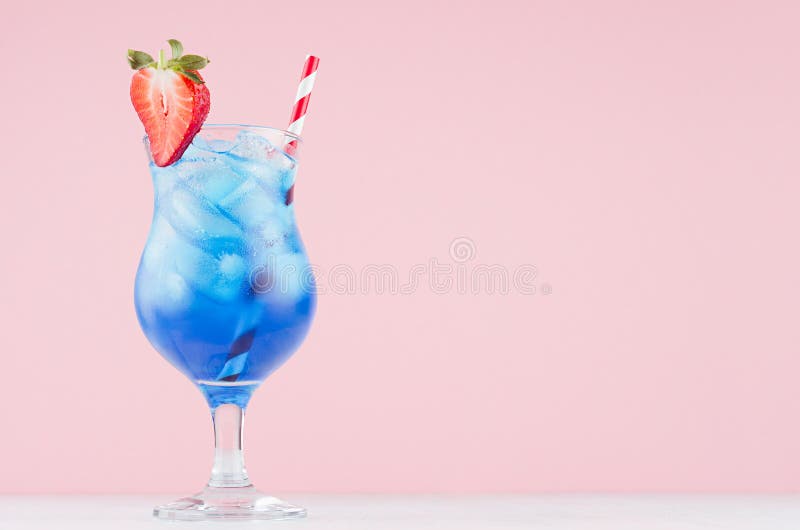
(242, 126)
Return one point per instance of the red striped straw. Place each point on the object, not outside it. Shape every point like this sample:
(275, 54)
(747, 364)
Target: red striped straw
(299, 110)
(301, 99)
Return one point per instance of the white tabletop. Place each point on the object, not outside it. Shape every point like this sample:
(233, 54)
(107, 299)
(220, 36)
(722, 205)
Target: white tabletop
(440, 512)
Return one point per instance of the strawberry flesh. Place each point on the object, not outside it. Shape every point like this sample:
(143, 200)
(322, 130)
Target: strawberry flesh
(172, 108)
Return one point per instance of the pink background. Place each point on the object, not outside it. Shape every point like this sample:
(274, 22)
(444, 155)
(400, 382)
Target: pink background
(642, 155)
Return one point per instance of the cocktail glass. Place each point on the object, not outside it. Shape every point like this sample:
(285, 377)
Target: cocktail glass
(225, 293)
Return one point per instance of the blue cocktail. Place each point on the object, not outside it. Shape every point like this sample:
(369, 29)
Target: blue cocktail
(224, 290)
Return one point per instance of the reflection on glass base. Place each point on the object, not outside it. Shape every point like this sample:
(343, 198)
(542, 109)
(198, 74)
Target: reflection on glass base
(240, 504)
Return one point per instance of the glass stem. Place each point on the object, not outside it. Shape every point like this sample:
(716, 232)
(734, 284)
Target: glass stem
(228, 470)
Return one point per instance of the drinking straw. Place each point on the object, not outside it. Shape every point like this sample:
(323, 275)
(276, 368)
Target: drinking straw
(237, 356)
(299, 109)
(302, 98)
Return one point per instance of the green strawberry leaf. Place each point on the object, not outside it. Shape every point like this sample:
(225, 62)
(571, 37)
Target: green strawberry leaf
(186, 65)
(139, 60)
(177, 48)
(191, 75)
(193, 62)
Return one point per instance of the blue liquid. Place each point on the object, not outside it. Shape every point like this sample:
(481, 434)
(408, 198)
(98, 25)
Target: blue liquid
(224, 290)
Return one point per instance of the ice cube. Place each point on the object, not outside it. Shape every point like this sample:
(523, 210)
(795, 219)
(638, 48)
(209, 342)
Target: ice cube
(284, 161)
(159, 286)
(275, 232)
(251, 145)
(229, 280)
(251, 204)
(164, 179)
(231, 265)
(212, 145)
(197, 151)
(219, 275)
(221, 278)
(176, 294)
(199, 220)
(162, 292)
(256, 157)
(178, 268)
(264, 171)
(155, 251)
(213, 179)
(282, 169)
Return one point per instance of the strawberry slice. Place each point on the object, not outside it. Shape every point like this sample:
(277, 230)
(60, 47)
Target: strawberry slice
(171, 99)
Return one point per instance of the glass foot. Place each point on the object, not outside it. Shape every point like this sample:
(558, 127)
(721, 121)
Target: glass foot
(240, 504)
